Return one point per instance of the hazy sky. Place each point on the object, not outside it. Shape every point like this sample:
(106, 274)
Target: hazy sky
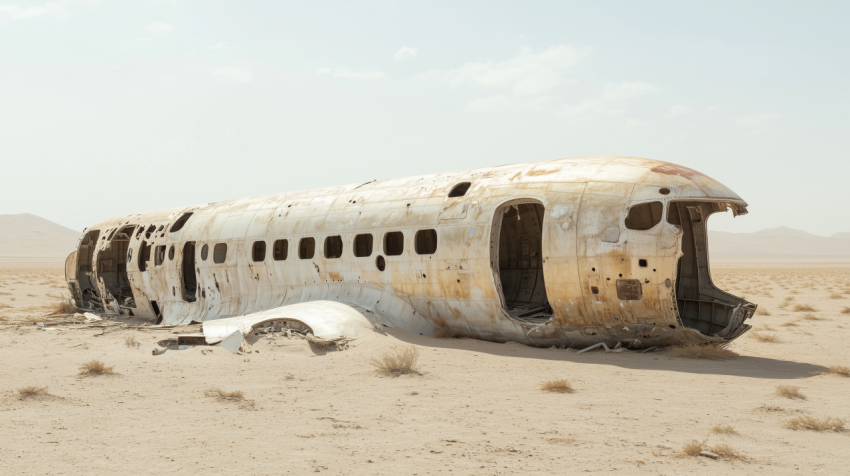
(116, 107)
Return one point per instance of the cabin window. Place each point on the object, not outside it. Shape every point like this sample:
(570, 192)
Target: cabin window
(426, 242)
(363, 245)
(644, 216)
(219, 253)
(281, 250)
(394, 243)
(178, 225)
(205, 251)
(258, 252)
(159, 255)
(306, 248)
(460, 189)
(333, 246)
(171, 253)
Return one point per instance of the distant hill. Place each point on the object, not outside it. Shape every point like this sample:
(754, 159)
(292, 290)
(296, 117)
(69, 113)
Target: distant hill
(781, 243)
(27, 237)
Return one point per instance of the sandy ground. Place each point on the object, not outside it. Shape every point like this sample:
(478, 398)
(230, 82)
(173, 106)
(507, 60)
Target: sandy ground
(477, 407)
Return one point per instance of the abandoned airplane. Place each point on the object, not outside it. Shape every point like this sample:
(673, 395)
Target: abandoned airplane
(566, 252)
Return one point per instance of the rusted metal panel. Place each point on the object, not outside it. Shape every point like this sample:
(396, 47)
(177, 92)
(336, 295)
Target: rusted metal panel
(585, 247)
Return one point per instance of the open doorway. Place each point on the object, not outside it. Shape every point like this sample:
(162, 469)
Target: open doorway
(187, 273)
(520, 261)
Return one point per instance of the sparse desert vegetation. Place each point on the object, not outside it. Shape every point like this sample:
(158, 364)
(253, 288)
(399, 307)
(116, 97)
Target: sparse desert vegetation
(815, 424)
(130, 341)
(804, 308)
(838, 370)
(789, 391)
(703, 351)
(557, 386)
(96, 367)
(771, 338)
(224, 395)
(398, 361)
(32, 391)
(724, 430)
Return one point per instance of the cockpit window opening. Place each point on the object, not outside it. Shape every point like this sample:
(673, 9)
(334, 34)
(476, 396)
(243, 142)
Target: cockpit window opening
(644, 216)
(460, 189)
(178, 225)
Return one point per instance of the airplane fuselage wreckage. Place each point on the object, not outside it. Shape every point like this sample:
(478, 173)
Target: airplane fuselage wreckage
(568, 252)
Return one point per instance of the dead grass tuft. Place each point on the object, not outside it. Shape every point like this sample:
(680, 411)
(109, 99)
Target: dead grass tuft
(397, 361)
(726, 451)
(846, 310)
(62, 306)
(790, 324)
(445, 333)
(693, 448)
(804, 308)
(709, 351)
(223, 395)
(724, 430)
(95, 367)
(32, 392)
(557, 386)
(130, 341)
(790, 391)
(761, 311)
(765, 337)
(815, 424)
(812, 317)
(838, 371)
(836, 296)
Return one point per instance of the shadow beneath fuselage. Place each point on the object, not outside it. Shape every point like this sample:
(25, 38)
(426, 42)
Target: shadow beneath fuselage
(743, 366)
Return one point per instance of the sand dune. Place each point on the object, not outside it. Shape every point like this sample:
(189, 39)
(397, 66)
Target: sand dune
(26, 237)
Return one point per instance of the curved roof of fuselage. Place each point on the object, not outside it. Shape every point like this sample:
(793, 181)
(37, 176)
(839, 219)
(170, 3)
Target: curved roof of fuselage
(684, 183)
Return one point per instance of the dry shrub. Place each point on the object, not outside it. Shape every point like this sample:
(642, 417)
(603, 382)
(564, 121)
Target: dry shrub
(724, 430)
(32, 392)
(62, 306)
(725, 451)
(836, 296)
(790, 391)
(710, 351)
(762, 311)
(812, 317)
(95, 367)
(557, 386)
(846, 310)
(693, 448)
(838, 370)
(223, 395)
(790, 324)
(767, 328)
(804, 308)
(397, 361)
(816, 424)
(4, 305)
(130, 341)
(765, 337)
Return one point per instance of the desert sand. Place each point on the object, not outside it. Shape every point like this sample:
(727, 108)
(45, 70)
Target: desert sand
(474, 408)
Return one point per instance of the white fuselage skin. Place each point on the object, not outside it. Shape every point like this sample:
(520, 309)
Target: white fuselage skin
(585, 250)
